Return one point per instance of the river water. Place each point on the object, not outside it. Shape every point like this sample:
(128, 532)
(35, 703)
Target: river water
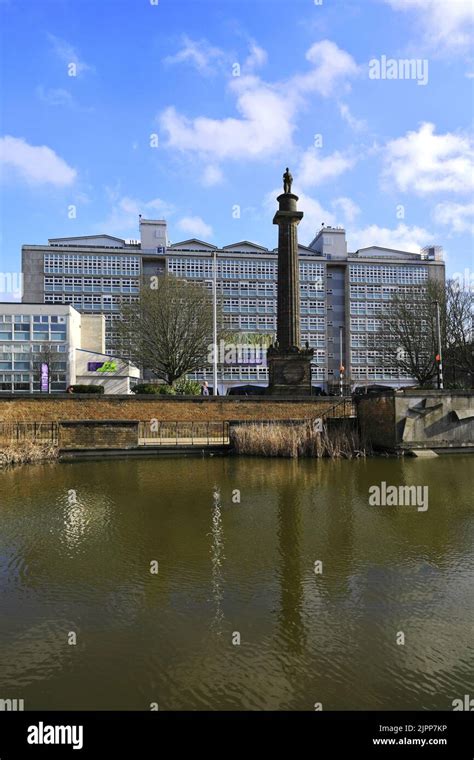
(236, 583)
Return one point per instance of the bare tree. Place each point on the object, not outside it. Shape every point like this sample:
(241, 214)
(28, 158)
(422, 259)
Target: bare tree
(459, 334)
(170, 329)
(407, 335)
(47, 355)
(409, 339)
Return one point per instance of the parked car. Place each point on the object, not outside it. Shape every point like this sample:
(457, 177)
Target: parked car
(371, 390)
(246, 390)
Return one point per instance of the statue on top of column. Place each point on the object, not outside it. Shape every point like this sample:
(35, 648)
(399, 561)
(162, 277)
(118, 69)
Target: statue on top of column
(287, 181)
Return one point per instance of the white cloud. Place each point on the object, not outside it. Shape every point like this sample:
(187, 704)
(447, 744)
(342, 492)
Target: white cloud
(425, 163)
(264, 129)
(37, 164)
(331, 67)
(358, 125)
(314, 170)
(314, 214)
(446, 24)
(349, 209)
(123, 217)
(256, 58)
(267, 112)
(212, 175)
(68, 54)
(54, 97)
(199, 54)
(196, 227)
(403, 238)
(458, 216)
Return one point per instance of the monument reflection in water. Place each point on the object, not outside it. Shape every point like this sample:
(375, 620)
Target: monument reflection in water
(227, 568)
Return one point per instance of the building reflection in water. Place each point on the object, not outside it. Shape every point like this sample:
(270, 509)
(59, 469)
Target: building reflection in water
(85, 518)
(291, 582)
(217, 559)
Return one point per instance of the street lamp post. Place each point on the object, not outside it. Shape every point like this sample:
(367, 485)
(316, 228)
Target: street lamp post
(439, 356)
(341, 364)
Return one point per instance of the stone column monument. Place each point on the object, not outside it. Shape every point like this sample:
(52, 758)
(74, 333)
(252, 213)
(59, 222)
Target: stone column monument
(289, 364)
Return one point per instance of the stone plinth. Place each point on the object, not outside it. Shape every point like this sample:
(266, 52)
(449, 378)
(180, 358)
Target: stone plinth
(289, 372)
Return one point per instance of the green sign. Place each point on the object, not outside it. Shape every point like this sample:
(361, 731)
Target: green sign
(108, 367)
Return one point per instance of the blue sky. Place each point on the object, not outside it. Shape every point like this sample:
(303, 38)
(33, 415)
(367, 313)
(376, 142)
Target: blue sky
(190, 110)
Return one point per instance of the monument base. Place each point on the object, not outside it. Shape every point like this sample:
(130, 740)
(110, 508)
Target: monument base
(289, 372)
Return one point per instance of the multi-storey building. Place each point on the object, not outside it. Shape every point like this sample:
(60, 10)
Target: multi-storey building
(70, 344)
(342, 293)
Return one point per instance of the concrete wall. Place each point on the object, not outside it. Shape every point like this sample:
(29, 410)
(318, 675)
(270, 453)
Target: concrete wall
(435, 419)
(33, 274)
(153, 233)
(87, 407)
(418, 419)
(93, 332)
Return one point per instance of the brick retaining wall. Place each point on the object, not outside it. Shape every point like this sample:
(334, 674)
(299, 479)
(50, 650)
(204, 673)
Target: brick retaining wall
(110, 434)
(166, 409)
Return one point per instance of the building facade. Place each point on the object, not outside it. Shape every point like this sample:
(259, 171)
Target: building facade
(70, 344)
(342, 293)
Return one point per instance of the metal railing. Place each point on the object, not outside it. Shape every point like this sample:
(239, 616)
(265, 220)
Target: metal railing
(155, 433)
(345, 407)
(28, 432)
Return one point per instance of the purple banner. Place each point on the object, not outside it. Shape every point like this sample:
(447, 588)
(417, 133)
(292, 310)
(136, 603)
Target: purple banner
(44, 378)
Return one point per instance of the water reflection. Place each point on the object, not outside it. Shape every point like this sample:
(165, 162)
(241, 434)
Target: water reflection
(249, 567)
(217, 559)
(290, 574)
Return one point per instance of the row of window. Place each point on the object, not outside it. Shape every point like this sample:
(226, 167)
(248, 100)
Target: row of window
(359, 324)
(377, 373)
(43, 319)
(252, 306)
(95, 285)
(8, 383)
(238, 269)
(403, 275)
(384, 292)
(250, 322)
(259, 374)
(85, 264)
(30, 365)
(27, 348)
(91, 303)
(369, 307)
(369, 340)
(28, 335)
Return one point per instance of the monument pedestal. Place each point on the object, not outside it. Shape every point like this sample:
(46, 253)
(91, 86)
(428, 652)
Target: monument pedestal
(289, 372)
